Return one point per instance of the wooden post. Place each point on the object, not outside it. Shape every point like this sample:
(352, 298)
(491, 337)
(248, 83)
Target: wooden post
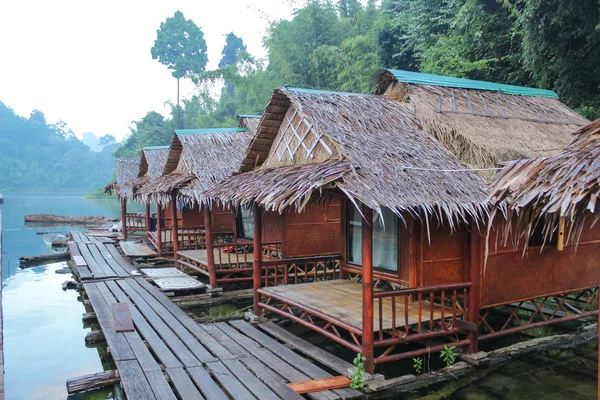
(560, 245)
(475, 291)
(147, 218)
(210, 255)
(124, 218)
(159, 228)
(599, 342)
(174, 227)
(367, 289)
(256, 266)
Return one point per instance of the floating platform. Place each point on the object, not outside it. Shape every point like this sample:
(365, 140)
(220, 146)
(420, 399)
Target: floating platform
(95, 259)
(172, 279)
(132, 249)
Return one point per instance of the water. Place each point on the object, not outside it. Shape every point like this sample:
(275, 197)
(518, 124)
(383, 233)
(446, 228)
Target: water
(43, 332)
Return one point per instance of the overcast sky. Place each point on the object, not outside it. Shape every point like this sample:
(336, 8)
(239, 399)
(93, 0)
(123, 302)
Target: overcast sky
(89, 63)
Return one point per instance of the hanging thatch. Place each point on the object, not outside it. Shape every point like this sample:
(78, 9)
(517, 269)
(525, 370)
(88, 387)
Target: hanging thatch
(542, 191)
(127, 172)
(482, 123)
(196, 160)
(367, 146)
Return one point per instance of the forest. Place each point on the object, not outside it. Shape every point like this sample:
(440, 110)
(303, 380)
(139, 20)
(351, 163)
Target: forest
(38, 156)
(338, 45)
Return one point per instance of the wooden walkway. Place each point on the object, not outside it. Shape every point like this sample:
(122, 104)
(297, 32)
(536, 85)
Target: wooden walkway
(170, 356)
(133, 249)
(97, 258)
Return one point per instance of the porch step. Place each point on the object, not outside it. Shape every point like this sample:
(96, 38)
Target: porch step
(329, 360)
(318, 385)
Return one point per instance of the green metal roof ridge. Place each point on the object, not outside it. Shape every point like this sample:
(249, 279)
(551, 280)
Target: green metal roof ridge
(249, 115)
(155, 147)
(318, 91)
(448, 81)
(209, 130)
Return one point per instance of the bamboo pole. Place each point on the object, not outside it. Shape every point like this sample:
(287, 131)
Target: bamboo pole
(256, 266)
(560, 245)
(210, 255)
(159, 228)
(367, 289)
(174, 228)
(124, 218)
(147, 218)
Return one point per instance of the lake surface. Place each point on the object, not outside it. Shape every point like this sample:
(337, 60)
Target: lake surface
(44, 335)
(43, 332)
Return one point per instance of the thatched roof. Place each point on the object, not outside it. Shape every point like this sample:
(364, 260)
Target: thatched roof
(250, 122)
(153, 161)
(127, 172)
(547, 189)
(197, 159)
(367, 146)
(484, 124)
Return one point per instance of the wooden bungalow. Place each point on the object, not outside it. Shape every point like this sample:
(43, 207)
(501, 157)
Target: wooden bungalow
(126, 173)
(404, 259)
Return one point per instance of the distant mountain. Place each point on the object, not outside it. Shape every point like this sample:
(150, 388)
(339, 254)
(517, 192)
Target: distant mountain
(36, 155)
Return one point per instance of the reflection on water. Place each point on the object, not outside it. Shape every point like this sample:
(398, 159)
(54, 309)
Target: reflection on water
(43, 332)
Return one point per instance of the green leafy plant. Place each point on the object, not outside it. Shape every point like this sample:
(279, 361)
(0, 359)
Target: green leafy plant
(418, 364)
(358, 376)
(448, 355)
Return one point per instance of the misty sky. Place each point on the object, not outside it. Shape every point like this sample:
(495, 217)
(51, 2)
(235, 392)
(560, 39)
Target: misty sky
(89, 63)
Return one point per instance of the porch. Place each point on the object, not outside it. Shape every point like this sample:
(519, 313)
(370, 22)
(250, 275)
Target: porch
(334, 308)
(189, 237)
(135, 225)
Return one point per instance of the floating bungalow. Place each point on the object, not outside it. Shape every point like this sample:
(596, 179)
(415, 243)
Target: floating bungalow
(127, 170)
(399, 179)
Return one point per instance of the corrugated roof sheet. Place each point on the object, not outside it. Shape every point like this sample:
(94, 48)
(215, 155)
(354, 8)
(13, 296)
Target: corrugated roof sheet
(448, 81)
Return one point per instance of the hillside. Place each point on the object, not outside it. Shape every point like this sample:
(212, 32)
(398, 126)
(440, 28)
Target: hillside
(37, 156)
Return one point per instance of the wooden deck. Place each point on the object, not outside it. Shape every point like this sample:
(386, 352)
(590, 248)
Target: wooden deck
(341, 300)
(221, 258)
(214, 361)
(97, 258)
(132, 249)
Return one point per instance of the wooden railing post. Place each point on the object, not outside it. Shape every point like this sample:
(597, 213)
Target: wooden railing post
(159, 229)
(474, 293)
(256, 266)
(210, 255)
(174, 227)
(367, 289)
(147, 218)
(124, 218)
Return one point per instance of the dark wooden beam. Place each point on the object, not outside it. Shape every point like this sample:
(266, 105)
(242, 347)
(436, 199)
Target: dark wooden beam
(174, 228)
(257, 256)
(124, 218)
(147, 218)
(210, 255)
(159, 229)
(475, 291)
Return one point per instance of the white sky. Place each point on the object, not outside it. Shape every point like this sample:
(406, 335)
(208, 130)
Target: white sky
(89, 63)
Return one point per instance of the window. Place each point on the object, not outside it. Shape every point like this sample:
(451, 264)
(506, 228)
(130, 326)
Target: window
(385, 239)
(245, 222)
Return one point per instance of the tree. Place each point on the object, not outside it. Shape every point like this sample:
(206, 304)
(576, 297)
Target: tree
(180, 45)
(232, 51)
(107, 140)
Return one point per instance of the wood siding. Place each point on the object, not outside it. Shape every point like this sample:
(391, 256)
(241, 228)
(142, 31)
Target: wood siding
(192, 217)
(222, 219)
(443, 256)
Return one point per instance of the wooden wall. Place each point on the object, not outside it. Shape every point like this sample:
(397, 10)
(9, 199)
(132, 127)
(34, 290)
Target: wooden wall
(192, 216)
(273, 227)
(223, 219)
(444, 257)
(315, 231)
(509, 276)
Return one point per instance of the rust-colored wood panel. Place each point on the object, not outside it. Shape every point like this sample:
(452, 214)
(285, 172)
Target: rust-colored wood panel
(444, 272)
(405, 253)
(312, 239)
(192, 217)
(333, 209)
(222, 219)
(312, 214)
(508, 277)
(444, 244)
(273, 225)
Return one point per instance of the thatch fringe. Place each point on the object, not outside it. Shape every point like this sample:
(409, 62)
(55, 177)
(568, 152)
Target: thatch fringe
(127, 172)
(542, 192)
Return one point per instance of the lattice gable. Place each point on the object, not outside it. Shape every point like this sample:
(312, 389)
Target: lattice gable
(299, 141)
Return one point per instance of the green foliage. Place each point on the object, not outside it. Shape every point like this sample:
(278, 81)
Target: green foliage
(37, 156)
(448, 355)
(418, 365)
(358, 375)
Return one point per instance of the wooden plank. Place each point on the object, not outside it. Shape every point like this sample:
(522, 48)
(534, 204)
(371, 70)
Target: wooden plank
(134, 381)
(252, 383)
(324, 357)
(114, 264)
(288, 372)
(92, 382)
(163, 353)
(317, 385)
(133, 249)
(120, 349)
(164, 331)
(210, 390)
(160, 387)
(228, 381)
(93, 266)
(79, 261)
(119, 258)
(100, 262)
(183, 385)
(294, 359)
(211, 344)
(180, 330)
(73, 248)
(85, 273)
(122, 317)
